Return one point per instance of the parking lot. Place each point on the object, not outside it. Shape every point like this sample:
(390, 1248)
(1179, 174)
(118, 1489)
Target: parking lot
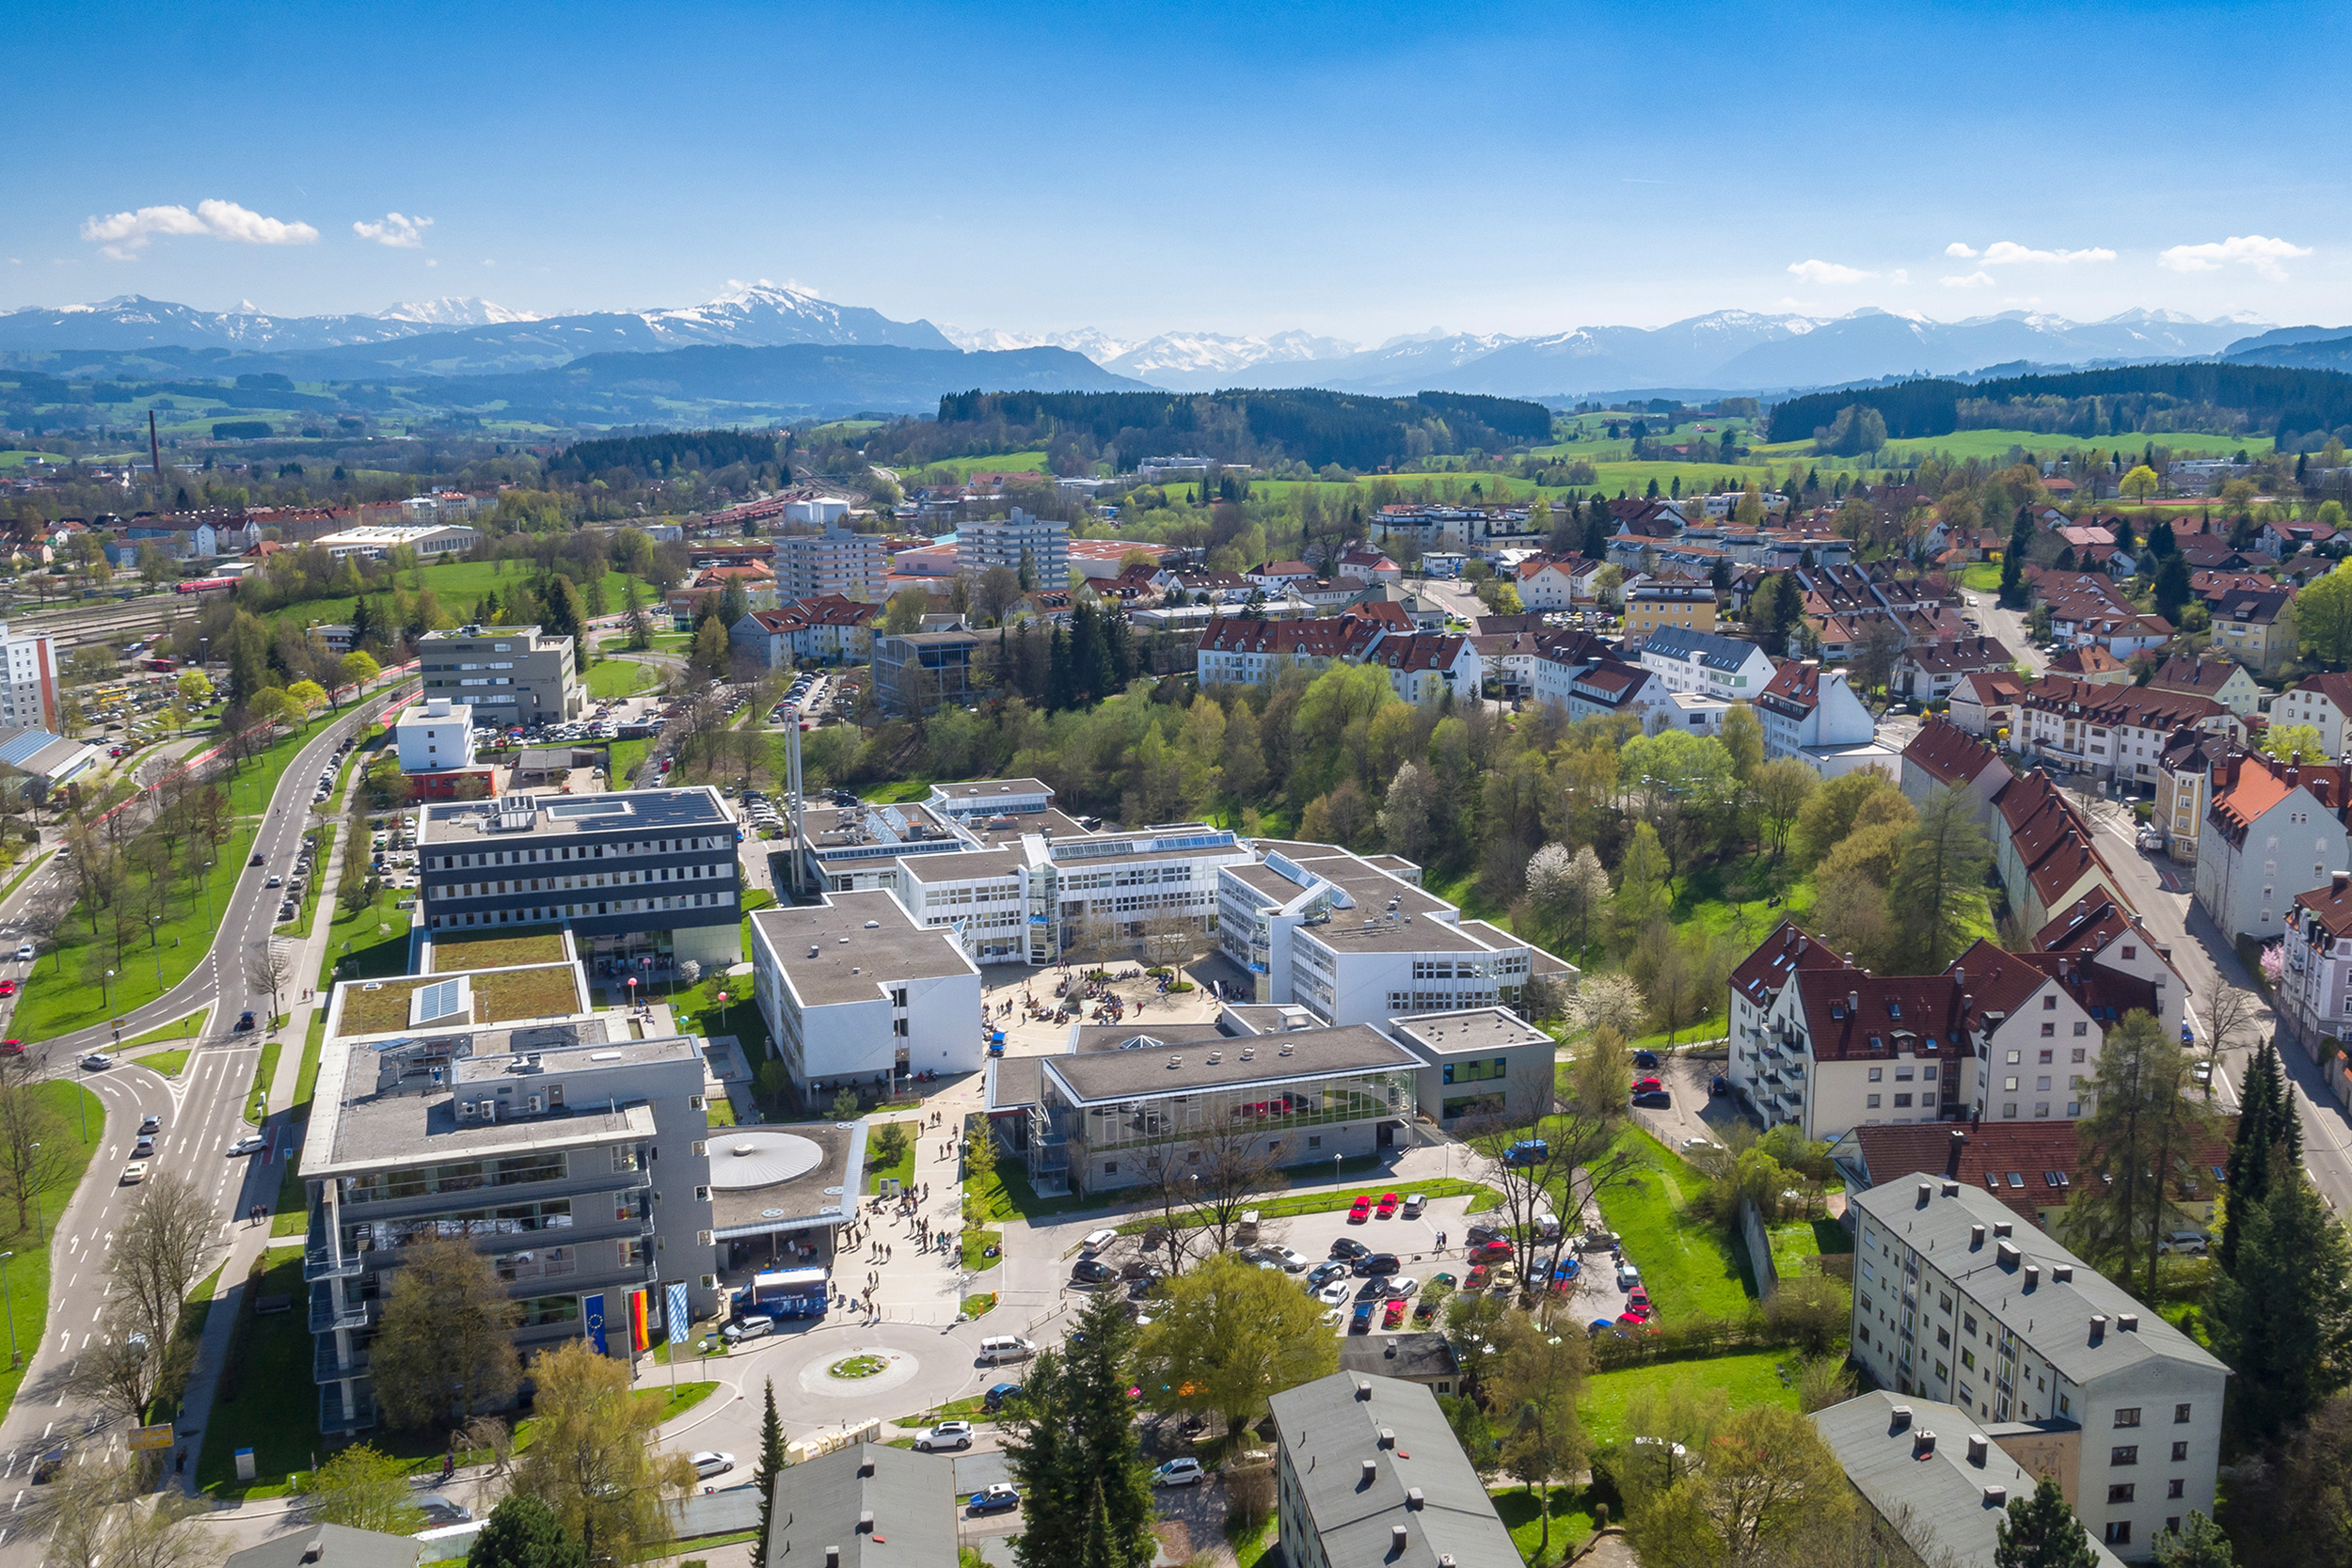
(1694, 1111)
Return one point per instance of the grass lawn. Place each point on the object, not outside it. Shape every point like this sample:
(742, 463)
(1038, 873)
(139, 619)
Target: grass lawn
(900, 791)
(265, 1070)
(525, 993)
(169, 1063)
(66, 990)
(369, 944)
(1003, 463)
(454, 954)
(1521, 1510)
(26, 1276)
(184, 1029)
(1982, 576)
(1689, 1265)
(1751, 1377)
(903, 1169)
(975, 1242)
(620, 677)
(626, 756)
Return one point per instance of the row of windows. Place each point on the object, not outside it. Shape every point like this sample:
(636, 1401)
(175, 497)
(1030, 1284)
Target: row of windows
(545, 854)
(601, 879)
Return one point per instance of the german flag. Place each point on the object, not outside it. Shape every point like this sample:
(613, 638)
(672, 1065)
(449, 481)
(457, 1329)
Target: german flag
(639, 1337)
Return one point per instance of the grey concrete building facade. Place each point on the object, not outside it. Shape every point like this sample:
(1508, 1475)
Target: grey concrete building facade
(506, 675)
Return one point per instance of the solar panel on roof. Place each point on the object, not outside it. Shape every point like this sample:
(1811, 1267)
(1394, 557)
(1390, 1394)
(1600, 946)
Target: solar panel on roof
(439, 1000)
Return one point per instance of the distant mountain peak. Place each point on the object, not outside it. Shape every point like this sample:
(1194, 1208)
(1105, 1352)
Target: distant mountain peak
(454, 310)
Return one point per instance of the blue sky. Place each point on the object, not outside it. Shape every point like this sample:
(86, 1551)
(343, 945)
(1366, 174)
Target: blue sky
(1359, 170)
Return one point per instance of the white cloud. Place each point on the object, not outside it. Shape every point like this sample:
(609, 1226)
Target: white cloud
(1961, 250)
(2009, 252)
(431, 260)
(1901, 274)
(402, 233)
(124, 233)
(2254, 251)
(1818, 271)
(1970, 280)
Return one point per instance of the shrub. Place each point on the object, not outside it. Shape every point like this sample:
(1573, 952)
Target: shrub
(1810, 1312)
(1249, 1496)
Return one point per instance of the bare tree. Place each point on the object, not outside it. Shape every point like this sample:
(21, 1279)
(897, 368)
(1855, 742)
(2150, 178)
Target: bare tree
(1565, 1149)
(2232, 1020)
(1170, 937)
(128, 1374)
(162, 1534)
(34, 1153)
(1202, 1180)
(79, 1505)
(271, 968)
(160, 1250)
(2091, 801)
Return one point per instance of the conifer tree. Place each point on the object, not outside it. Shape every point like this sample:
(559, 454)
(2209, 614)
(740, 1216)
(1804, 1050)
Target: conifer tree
(771, 1465)
(2041, 1532)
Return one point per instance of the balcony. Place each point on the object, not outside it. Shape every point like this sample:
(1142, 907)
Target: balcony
(331, 1310)
(334, 1419)
(427, 1204)
(327, 1366)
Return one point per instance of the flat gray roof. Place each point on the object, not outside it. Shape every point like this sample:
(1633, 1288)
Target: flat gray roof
(820, 1502)
(1264, 878)
(1055, 826)
(989, 789)
(1470, 1031)
(1091, 1037)
(1099, 1076)
(1414, 1356)
(960, 866)
(1384, 936)
(635, 811)
(826, 1195)
(855, 962)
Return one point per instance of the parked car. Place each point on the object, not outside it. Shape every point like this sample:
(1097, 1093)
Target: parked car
(1179, 1472)
(1372, 1265)
(1348, 1249)
(946, 1434)
(1097, 1240)
(1654, 1100)
(1392, 1315)
(1505, 1277)
(1335, 1293)
(1360, 1210)
(997, 1496)
(1088, 1270)
(1359, 1322)
(994, 1399)
(755, 1327)
(1646, 1058)
(1627, 1277)
(1527, 1151)
(1414, 1205)
(1288, 1259)
(1399, 1286)
(1387, 1208)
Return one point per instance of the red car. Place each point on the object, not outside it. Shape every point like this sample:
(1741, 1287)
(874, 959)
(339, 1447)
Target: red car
(1394, 1315)
(11, 1048)
(1477, 1280)
(1638, 1296)
(1490, 1252)
(1647, 1086)
(1388, 1205)
(1360, 1210)
(7, 987)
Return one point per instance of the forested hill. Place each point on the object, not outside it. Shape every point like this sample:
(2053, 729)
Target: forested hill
(2257, 400)
(1234, 426)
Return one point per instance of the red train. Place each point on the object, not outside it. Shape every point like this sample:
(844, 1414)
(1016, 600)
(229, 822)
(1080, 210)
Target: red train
(203, 585)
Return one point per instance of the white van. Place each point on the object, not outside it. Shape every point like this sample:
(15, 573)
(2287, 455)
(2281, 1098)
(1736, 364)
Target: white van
(1000, 1348)
(1547, 1228)
(1097, 1240)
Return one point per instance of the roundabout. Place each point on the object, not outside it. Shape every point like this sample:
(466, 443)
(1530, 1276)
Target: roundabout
(867, 1369)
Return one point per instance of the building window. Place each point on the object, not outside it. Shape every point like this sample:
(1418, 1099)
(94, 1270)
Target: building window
(2174, 1487)
(2123, 1453)
(1872, 1102)
(2122, 1492)
(2127, 1416)
(2180, 1415)
(2119, 1532)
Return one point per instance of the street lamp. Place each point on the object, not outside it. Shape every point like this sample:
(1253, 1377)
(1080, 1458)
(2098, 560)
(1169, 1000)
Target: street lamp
(154, 943)
(38, 1237)
(14, 1358)
(208, 892)
(105, 1004)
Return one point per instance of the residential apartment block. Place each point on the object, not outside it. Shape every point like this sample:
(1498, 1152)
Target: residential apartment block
(1953, 1302)
(1366, 1471)
(838, 561)
(2000, 1037)
(2272, 829)
(1658, 606)
(28, 698)
(2117, 732)
(1811, 712)
(2315, 985)
(1705, 664)
(647, 873)
(509, 676)
(1017, 542)
(2324, 702)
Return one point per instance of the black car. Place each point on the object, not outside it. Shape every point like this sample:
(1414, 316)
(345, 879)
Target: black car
(1646, 1058)
(1359, 1322)
(1377, 1263)
(1373, 1288)
(1478, 1235)
(1657, 1099)
(1088, 1270)
(244, 1020)
(1348, 1249)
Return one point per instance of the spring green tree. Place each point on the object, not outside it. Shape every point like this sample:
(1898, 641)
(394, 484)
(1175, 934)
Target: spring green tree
(2041, 1532)
(364, 1488)
(523, 1533)
(1230, 1337)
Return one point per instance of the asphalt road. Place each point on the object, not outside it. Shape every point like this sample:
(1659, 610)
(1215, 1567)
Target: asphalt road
(2007, 628)
(202, 1113)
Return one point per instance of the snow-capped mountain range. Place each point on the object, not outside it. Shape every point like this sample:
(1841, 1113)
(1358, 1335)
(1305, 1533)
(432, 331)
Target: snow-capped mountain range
(1728, 351)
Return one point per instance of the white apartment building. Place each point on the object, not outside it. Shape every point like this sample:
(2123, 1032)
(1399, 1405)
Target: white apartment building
(853, 991)
(1952, 1302)
(1236, 650)
(2271, 831)
(2323, 702)
(1705, 664)
(2117, 732)
(2007, 1037)
(29, 697)
(1011, 541)
(838, 560)
(1812, 712)
(1590, 688)
(434, 735)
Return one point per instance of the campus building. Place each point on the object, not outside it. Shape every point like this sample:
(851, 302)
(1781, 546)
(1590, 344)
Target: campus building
(1955, 1301)
(492, 1104)
(854, 991)
(649, 872)
(1366, 1470)
(28, 700)
(516, 675)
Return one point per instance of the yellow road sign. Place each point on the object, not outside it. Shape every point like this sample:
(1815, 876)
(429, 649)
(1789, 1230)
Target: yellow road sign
(151, 1437)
